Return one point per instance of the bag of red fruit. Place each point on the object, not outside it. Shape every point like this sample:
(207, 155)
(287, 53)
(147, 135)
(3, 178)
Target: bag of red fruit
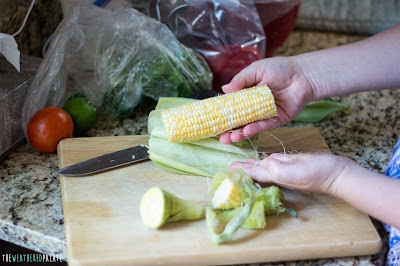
(227, 33)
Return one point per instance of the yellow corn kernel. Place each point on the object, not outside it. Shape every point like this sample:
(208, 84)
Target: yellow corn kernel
(213, 116)
(228, 195)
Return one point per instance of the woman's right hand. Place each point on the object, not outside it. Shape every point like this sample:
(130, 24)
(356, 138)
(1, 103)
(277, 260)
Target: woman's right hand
(290, 87)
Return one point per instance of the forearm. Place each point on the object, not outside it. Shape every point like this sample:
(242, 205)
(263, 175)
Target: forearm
(375, 194)
(370, 64)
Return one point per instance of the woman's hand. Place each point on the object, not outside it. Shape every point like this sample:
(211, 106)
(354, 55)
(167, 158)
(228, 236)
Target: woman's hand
(373, 193)
(305, 172)
(291, 90)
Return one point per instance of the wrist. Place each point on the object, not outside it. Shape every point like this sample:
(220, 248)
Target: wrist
(307, 68)
(346, 177)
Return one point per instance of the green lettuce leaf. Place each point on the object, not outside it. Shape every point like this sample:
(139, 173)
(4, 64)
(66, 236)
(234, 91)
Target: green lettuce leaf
(316, 111)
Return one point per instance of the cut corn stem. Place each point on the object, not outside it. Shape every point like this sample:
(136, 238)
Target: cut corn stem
(159, 207)
(213, 116)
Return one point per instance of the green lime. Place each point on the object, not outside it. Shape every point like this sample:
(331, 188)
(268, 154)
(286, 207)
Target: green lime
(83, 113)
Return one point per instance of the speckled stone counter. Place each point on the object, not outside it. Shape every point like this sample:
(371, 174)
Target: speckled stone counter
(30, 196)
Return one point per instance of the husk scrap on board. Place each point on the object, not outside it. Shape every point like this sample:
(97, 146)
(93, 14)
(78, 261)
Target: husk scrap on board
(256, 204)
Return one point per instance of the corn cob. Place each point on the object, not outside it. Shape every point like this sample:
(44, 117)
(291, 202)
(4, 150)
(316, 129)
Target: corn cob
(213, 116)
(229, 195)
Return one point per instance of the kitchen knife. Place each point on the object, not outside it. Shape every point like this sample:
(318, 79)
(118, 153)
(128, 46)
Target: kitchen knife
(107, 161)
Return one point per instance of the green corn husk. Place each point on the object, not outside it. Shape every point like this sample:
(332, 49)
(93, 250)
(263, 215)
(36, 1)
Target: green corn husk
(205, 157)
(273, 199)
(255, 220)
(231, 226)
(257, 203)
(230, 223)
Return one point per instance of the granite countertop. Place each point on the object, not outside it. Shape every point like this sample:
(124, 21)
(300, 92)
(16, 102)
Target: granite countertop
(30, 196)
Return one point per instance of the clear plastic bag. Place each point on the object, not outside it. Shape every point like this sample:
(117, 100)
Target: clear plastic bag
(227, 33)
(114, 58)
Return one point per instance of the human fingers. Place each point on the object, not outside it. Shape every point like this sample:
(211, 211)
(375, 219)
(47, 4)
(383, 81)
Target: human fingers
(254, 170)
(225, 138)
(233, 136)
(254, 128)
(292, 171)
(234, 85)
(244, 79)
(249, 130)
(261, 126)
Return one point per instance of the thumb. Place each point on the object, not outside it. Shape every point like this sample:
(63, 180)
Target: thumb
(234, 85)
(244, 79)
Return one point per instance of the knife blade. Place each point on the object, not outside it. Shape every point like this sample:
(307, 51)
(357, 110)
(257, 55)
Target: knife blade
(107, 161)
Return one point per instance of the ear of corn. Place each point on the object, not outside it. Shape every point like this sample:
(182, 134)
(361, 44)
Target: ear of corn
(213, 116)
(205, 157)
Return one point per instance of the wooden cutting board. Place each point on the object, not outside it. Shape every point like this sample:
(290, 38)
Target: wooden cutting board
(103, 226)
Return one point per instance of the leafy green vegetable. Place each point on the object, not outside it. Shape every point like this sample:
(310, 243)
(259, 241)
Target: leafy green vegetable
(154, 73)
(316, 111)
(205, 157)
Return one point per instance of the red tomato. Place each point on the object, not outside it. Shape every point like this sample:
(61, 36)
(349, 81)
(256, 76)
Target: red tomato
(47, 127)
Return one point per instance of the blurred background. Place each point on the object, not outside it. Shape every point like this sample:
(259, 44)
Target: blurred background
(346, 16)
